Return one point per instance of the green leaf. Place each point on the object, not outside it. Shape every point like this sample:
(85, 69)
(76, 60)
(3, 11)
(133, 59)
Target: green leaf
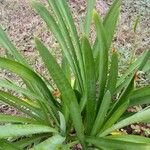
(65, 147)
(37, 100)
(53, 143)
(88, 18)
(109, 23)
(12, 50)
(97, 63)
(137, 65)
(101, 34)
(5, 42)
(66, 68)
(23, 130)
(101, 113)
(11, 86)
(33, 79)
(24, 142)
(125, 95)
(66, 37)
(52, 24)
(96, 49)
(47, 101)
(7, 146)
(115, 116)
(130, 138)
(20, 105)
(113, 73)
(13, 119)
(68, 96)
(67, 71)
(62, 123)
(140, 96)
(125, 83)
(116, 144)
(63, 28)
(110, 20)
(90, 83)
(146, 68)
(68, 19)
(141, 116)
(144, 60)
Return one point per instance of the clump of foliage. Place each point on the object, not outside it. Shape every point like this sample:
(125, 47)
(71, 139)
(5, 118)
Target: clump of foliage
(87, 111)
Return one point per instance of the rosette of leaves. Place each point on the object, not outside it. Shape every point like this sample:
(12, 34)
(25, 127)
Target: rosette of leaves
(85, 112)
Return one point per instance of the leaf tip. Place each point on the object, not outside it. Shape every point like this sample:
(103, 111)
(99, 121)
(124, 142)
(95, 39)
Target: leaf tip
(95, 14)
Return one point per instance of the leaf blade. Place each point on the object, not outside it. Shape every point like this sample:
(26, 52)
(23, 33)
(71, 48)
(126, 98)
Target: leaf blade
(88, 18)
(113, 73)
(53, 143)
(140, 96)
(138, 117)
(103, 62)
(102, 113)
(115, 144)
(90, 83)
(68, 96)
(14, 119)
(22, 130)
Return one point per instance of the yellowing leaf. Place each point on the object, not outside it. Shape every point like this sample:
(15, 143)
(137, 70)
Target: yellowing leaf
(35, 104)
(117, 133)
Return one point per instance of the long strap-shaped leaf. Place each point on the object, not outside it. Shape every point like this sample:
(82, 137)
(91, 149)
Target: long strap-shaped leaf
(146, 68)
(113, 73)
(30, 76)
(64, 86)
(34, 81)
(66, 68)
(16, 119)
(88, 18)
(22, 130)
(138, 64)
(52, 24)
(111, 19)
(53, 143)
(101, 113)
(5, 42)
(38, 99)
(63, 29)
(138, 117)
(66, 14)
(140, 96)
(125, 83)
(103, 64)
(90, 83)
(20, 105)
(104, 143)
(109, 23)
(4, 145)
(130, 138)
(145, 60)
(124, 96)
(64, 9)
(23, 143)
(11, 86)
(115, 116)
